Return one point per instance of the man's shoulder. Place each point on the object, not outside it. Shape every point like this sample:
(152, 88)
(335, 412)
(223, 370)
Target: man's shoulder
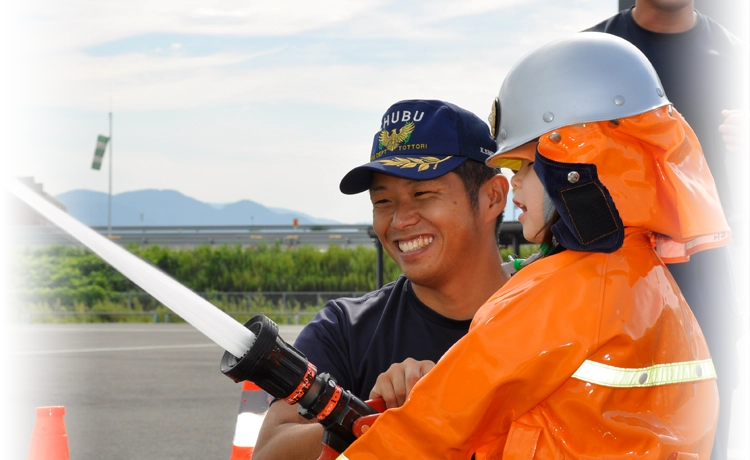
(718, 36)
(346, 317)
(352, 315)
(613, 24)
(374, 300)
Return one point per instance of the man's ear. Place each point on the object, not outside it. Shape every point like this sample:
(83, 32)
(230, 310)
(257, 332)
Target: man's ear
(497, 190)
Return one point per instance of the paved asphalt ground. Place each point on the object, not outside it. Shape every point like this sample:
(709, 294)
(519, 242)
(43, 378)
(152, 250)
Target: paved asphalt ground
(151, 391)
(130, 391)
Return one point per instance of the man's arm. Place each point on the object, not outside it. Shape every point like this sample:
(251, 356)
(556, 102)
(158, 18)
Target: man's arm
(734, 131)
(286, 435)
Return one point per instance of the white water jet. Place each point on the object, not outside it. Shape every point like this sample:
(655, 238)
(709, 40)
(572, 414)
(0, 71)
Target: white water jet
(212, 322)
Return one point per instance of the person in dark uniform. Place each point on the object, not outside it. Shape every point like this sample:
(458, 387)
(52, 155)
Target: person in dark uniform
(437, 210)
(700, 66)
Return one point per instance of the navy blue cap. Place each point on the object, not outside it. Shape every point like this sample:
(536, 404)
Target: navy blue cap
(422, 140)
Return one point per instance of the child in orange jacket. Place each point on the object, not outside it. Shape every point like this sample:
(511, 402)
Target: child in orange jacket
(590, 351)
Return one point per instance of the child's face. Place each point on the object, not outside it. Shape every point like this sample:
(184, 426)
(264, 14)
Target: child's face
(529, 197)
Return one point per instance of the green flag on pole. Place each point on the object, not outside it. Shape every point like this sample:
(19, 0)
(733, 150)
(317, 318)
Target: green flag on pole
(101, 145)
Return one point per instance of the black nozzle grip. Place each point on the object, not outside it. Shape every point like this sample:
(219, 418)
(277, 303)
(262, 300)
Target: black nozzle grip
(270, 363)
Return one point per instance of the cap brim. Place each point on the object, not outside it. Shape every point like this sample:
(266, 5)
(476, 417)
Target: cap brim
(407, 167)
(513, 159)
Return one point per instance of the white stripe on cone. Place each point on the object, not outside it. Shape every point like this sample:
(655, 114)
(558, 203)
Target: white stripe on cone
(253, 407)
(248, 426)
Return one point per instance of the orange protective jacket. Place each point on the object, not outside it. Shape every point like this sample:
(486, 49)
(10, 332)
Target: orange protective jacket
(506, 389)
(582, 355)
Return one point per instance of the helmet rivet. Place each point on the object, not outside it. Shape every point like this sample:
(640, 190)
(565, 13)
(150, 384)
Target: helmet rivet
(660, 92)
(548, 117)
(573, 177)
(619, 100)
(642, 379)
(699, 371)
(503, 134)
(555, 137)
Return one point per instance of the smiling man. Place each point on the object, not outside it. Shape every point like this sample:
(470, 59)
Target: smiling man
(437, 210)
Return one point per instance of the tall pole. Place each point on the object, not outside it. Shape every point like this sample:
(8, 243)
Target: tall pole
(378, 258)
(109, 206)
(379, 267)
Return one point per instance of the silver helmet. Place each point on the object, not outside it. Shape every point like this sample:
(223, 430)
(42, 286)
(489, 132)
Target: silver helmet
(587, 77)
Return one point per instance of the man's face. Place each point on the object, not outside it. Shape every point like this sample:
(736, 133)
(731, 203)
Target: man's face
(427, 227)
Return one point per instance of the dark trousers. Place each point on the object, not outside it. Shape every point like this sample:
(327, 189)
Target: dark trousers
(707, 282)
(721, 441)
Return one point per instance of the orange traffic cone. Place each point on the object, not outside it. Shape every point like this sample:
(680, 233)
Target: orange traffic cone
(49, 441)
(253, 407)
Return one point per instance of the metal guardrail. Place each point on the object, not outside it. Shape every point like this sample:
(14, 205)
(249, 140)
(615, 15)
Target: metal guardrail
(291, 317)
(281, 298)
(320, 236)
(292, 305)
(192, 236)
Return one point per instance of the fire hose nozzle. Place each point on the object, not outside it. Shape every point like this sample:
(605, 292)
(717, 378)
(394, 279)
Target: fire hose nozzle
(285, 373)
(270, 363)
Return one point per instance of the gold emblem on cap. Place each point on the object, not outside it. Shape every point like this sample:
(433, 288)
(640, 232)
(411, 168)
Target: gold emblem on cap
(391, 140)
(493, 118)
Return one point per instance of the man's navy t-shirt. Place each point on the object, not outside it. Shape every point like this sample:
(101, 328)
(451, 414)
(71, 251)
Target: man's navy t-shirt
(700, 71)
(357, 339)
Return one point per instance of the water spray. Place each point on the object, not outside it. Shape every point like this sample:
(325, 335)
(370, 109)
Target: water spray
(254, 352)
(221, 328)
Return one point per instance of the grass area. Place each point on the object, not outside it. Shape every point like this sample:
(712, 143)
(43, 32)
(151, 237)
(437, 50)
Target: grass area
(140, 307)
(72, 285)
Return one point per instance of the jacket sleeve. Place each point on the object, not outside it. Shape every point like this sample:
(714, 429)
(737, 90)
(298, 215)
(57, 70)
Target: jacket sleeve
(524, 344)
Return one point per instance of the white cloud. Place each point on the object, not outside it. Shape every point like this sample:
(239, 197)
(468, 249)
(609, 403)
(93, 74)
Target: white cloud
(76, 24)
(280, 123)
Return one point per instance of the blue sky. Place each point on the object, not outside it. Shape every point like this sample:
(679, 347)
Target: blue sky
(268, 101)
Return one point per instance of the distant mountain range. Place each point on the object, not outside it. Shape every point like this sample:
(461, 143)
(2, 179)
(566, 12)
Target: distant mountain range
(169, 207)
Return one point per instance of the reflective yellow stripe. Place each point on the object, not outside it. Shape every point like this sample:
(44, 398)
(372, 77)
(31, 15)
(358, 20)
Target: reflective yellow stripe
(658, 374)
